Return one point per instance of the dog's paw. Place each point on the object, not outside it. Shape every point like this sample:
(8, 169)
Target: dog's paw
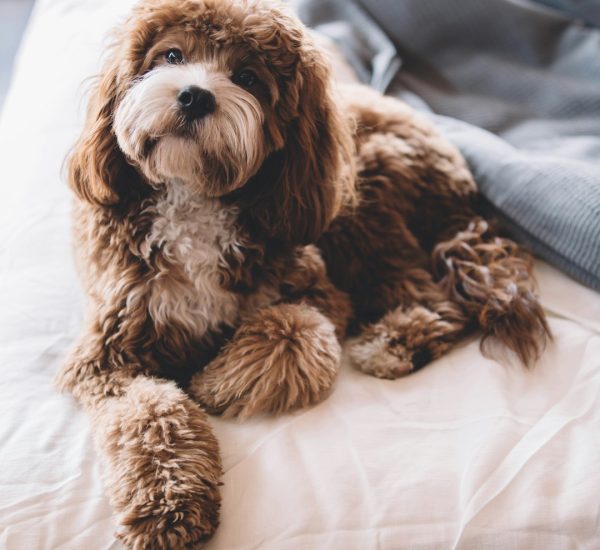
(378, 356)
(402, 342)
(283, 358)
(164, 468)
(187, 527)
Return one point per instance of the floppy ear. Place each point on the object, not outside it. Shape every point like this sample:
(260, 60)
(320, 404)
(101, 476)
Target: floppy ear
(303, 185)
(97, 169)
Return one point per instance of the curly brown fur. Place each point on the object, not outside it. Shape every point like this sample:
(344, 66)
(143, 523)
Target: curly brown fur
(417, 215)
(162, 461)
(405, 339)
(285, 357)
(490, 277)
(163, 468)
(229, 247)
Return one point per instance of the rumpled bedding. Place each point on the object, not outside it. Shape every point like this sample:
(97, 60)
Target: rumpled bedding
(469, 453)
(515, 84)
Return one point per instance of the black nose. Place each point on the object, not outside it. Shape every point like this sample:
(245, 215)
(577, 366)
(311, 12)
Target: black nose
(196, 102)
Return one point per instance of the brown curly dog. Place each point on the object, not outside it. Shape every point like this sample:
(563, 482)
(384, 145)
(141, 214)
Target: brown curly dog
(233, 219)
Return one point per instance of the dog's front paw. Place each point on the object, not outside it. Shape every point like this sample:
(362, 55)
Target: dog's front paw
(285, 357)
(187, 526)
(164, 469)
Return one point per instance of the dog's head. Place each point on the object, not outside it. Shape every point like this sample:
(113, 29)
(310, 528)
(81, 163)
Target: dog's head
(230, 97)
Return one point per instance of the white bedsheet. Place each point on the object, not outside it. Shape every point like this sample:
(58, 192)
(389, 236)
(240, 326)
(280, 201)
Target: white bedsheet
(467, 453)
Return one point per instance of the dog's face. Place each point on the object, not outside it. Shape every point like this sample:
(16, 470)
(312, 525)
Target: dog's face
(225, 96)
(195, 109)
(196, 115)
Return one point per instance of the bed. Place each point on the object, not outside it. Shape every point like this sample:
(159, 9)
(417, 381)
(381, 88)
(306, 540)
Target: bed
(471, 452)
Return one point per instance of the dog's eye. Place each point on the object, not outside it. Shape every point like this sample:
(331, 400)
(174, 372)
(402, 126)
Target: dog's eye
(174, 57)
(245, 78)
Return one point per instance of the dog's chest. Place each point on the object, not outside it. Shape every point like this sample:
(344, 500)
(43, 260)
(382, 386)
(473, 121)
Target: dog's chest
(194, 238)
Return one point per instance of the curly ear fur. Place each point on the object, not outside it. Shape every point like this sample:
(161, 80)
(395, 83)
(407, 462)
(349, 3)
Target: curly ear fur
(317, 158)
(301, 187)
(97, 170)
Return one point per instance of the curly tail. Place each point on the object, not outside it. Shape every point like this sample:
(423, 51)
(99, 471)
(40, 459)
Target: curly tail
(491, 279)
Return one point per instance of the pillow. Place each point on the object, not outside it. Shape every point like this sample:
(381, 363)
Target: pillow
(587, 10)
(518, 88)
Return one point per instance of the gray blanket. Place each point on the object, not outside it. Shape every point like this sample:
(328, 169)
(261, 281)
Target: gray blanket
(515, 84)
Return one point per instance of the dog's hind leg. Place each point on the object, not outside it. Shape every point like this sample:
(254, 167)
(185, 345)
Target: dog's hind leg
(407, 338)
(479, 280)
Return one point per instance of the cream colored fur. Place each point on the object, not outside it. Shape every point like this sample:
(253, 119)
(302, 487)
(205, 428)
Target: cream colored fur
(194, 234)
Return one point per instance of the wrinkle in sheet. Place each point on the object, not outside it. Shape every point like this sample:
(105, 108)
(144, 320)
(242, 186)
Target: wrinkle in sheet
(581, 401)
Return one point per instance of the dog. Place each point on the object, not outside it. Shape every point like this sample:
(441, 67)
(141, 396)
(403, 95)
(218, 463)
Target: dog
(235, 219)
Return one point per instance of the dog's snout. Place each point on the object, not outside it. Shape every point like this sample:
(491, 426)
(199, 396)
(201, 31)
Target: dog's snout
(196, 102)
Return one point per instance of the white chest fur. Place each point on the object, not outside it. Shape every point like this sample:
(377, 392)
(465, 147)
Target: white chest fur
(194, 235)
